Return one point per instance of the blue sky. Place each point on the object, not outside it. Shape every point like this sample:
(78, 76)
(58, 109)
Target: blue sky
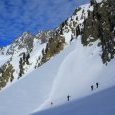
(18, 16)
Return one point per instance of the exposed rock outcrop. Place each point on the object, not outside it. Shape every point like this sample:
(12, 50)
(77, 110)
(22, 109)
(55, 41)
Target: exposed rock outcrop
(100, 24)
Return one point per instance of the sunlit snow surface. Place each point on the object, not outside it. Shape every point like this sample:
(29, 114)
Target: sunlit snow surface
(3, 59)
(101, 103)
(71, 72)
(26, 95)
(82, 68)
(99, 1)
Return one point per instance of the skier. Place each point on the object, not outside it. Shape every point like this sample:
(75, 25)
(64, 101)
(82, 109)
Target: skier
(92, 87)
(68, 98)
(51, 103)
(71, 38)
(97, 84)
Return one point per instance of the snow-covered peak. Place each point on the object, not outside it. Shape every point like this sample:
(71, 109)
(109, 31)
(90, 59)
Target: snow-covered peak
(25, 35)
(31, 51)
(99, 1)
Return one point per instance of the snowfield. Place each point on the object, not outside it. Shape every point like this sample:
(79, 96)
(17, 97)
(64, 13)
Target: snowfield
(3, 59)
(71, 72)
(82, 68)
(44, 91)
(101, 103)
(27, 94)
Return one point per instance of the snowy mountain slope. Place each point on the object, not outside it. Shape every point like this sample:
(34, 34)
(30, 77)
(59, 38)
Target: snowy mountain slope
(53, 81)
(101, 103)
(3, 59)
(79, 70)
(24, 55)
(83, 51)
(28, 52)
(39, 48)
(26, 95)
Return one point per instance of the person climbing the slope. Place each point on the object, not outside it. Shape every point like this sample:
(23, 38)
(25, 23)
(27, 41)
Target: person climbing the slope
(92, 88)
(68, 97)
(51, 103)
(97, 85)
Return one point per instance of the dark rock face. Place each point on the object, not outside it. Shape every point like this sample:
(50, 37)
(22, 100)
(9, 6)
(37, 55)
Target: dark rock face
(54, 46)
(100, 25)
(6, 74)
(24, 60)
